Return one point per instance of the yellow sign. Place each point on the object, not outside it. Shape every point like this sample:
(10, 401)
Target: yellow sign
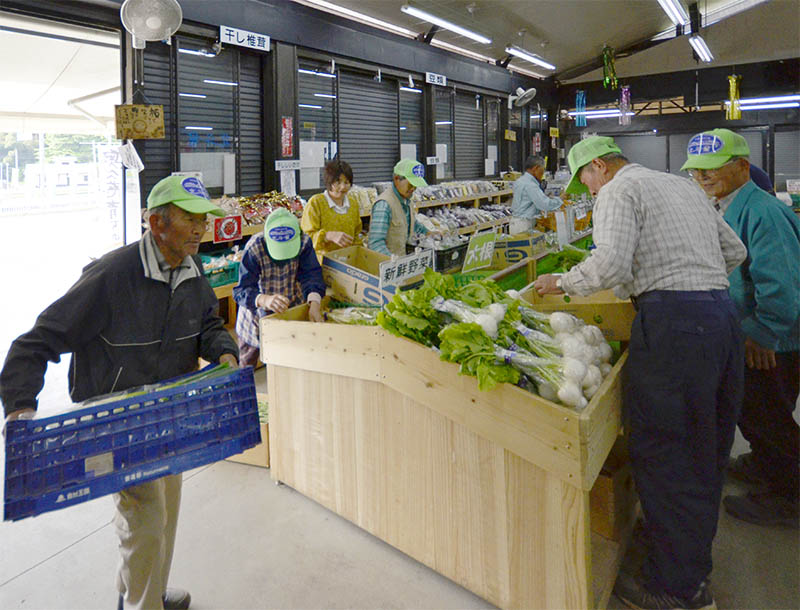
(309, 125)
(554, 132)
(140, 122)
(511, 135)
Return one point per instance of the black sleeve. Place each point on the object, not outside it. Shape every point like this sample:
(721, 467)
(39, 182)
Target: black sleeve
(215, 339)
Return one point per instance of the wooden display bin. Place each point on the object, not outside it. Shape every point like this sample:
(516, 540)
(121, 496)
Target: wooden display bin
(491, 489)
(258, 455)
(612, 501)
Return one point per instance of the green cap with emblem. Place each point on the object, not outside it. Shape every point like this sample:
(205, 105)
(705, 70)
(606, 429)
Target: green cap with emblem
(186, 192)
(713, 149)
(412, 170)
(282, 234)
(585, 152)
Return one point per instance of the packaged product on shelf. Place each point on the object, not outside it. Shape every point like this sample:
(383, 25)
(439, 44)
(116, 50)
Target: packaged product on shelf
(363, 197)
(255, 208)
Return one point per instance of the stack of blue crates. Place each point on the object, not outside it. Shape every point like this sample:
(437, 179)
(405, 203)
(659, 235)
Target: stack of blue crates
(58, 461)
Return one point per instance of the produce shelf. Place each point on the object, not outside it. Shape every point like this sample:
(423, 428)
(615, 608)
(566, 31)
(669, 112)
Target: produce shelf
(484, 225)
(476, 199)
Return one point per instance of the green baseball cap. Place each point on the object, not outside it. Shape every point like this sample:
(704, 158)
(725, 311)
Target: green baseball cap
(585, 152)
(713, 149)
(411, 170)
(186, 192)
(282, 234)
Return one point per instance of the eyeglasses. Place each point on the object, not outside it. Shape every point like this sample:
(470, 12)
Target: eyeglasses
(711, 173)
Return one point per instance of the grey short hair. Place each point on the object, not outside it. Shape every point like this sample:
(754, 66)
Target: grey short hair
(533, 161)
(164, 211)
(614, 158)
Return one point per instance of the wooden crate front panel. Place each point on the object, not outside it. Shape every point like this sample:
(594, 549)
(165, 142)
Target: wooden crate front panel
(502, 527)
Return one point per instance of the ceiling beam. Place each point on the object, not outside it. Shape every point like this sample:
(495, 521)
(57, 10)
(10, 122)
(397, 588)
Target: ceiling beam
(597, 62)
(426, 38)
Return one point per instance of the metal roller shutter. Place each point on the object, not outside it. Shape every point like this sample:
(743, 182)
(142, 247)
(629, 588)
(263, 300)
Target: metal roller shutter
(647, 150)
(787, 158)
(469, 153)
(157, 154)
(251, 159)
(368, 127)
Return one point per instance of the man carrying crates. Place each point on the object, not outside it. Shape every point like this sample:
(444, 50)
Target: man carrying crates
(138, 315)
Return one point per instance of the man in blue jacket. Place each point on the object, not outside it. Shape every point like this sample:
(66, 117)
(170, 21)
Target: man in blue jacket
(529, 199)
(766, 290)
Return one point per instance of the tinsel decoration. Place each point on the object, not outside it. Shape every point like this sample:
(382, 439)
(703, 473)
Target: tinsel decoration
(733, 110)
(609, 69)
(625, 105)
(580, 108)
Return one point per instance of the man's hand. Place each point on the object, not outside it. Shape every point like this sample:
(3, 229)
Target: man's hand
(229, 358)
(758, 357)
(314, 311)
(15, 415)
(274, 302)
(546, 284)
(340, 238)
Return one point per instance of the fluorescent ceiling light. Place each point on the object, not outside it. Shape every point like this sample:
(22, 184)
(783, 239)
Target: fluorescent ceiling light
(199, 95)
(220, 82)
(714, 15)
(519, 70)
(528, 56)
(410, 89)
(444, 24)
(455, 49)
(599, 114)
(315, 73)
(402, 128)
(767, 106)
(200, 52)
(309, 106)
(675, 11)
(444, 122)
(701, 48)
(328, 95)
(195, 127)
(356, 16)
(765, 100)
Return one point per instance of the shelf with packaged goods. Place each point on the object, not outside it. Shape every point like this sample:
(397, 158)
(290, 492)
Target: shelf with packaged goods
(475, 199)
(499, 222)
(208, 236)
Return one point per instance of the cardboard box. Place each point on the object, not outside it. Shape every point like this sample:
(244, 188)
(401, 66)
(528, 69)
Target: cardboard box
(603, 309)
(258, 455)
(352, 275)
(511, 249)
(612, 500)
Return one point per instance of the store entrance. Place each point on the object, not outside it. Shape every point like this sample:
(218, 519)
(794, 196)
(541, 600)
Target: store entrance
(61, 183)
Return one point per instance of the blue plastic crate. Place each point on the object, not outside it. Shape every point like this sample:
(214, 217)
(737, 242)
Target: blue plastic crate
(58, 461)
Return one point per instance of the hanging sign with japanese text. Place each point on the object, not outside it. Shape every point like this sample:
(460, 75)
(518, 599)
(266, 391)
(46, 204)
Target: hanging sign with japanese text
(287, 136)
(479, 252)
(436, 79)
(139, 121)
(243, 38)
(227, 228)
(394, 273)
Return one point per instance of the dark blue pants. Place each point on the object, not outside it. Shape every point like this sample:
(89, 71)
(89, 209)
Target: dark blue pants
(683, 388)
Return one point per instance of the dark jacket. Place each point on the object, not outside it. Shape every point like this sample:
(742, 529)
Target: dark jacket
(122, 329)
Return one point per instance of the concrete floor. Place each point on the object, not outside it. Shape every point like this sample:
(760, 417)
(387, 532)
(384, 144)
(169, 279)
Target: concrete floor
(245, 543)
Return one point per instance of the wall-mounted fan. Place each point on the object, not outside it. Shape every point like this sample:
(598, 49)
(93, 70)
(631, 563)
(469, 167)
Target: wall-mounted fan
(523, 97)
(150, 19)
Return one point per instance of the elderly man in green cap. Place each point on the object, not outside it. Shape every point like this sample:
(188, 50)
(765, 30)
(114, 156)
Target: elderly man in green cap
(659, 242)
(393, 220)
(140, 314)
(766, 291)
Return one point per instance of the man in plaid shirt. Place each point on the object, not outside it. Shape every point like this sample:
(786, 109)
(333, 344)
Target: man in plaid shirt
(661, 243)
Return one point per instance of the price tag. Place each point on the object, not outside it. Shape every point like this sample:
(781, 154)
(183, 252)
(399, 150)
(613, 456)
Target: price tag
(397, 271)
(479, 252)
(227, 228)
(286, 164)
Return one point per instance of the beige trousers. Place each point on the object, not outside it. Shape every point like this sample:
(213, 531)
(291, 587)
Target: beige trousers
(146, 520)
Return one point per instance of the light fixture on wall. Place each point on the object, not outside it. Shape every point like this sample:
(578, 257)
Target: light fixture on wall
(675, 11)
(315, 73)
(528, 56)
(444, 24)
(769, 103)
(701, 48)
(312, 106)
(411, 89)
